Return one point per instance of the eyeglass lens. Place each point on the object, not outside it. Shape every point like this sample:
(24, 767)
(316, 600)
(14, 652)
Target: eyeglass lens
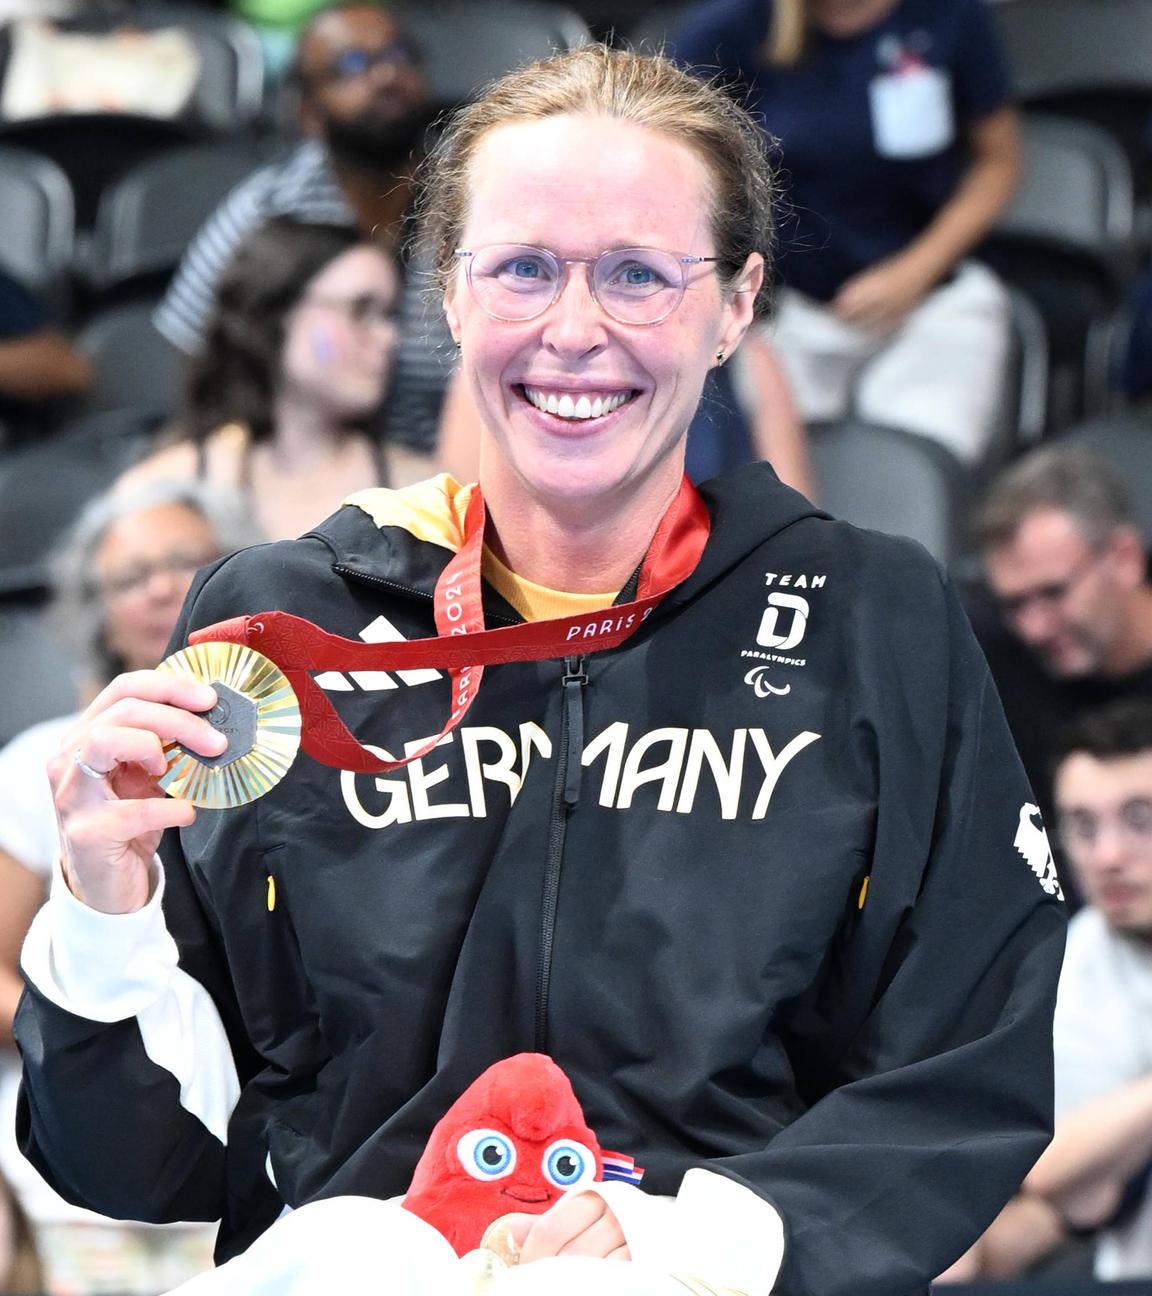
(1079, 828)
(356, 61)
(634, 285)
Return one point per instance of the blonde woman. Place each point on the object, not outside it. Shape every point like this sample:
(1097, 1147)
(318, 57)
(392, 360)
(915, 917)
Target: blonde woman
(747, 873)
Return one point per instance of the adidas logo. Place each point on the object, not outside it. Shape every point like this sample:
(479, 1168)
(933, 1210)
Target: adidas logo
(379, 631)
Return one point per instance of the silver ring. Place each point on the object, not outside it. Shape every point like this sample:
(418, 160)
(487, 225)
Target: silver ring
(85, 768)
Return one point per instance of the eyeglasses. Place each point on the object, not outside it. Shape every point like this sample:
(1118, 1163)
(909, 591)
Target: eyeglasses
(363, 309)
(358, 60)
(134, 579)
(1050, 595)
(1080, 829)
(514, 282)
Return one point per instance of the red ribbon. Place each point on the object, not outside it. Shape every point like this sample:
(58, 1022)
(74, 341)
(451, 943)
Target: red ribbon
(462, 646)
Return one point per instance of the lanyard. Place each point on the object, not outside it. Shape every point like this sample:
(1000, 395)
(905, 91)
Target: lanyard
(462, 646)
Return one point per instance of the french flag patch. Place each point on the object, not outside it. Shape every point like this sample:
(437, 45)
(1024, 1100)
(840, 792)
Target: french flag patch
(618, 1166)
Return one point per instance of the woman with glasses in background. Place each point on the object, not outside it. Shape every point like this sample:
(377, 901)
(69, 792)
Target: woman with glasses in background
(294, 368)
(119, 580)
(728, 832)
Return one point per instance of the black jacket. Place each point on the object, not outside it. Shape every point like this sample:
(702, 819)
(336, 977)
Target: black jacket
(752, 879)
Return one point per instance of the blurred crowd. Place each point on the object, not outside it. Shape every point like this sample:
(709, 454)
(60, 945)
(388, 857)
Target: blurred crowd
(215, 325)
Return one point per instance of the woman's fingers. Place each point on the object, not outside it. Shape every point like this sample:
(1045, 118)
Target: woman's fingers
(580, 1224)
(152, 686)
(131, 730)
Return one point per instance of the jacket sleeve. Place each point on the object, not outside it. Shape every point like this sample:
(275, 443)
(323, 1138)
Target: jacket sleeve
(924, 1056)
(128, 1029)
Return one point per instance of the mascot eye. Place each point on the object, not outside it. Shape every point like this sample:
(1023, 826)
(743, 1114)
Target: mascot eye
(486, 1154)
(567, 1163)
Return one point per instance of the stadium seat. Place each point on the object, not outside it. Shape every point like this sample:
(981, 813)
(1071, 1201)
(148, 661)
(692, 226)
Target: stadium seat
(466, 44)
(1084, 58)
(1067, 242)
(889, 480)
(38, 674)
(1125, 440)
(134, 366)
(147, 217)
(44, 486)
(37, 216)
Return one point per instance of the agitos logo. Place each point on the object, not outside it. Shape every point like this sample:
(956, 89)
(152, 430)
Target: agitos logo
(784, 621)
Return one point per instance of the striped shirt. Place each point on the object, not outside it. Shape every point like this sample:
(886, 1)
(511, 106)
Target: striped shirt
(303, 185)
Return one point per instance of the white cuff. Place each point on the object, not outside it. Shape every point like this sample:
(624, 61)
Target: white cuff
(714, 1231)
(103, 967)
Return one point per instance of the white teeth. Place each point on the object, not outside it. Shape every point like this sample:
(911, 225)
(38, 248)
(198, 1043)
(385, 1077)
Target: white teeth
(582, 407)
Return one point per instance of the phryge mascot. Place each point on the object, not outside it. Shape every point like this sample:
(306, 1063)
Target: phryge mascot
(512, 1145)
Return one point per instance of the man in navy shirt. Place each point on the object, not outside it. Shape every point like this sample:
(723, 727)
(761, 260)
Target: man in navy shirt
(898, 145)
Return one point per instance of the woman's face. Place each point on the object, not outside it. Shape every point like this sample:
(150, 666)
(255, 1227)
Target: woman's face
(142, 571)
(577, 186)
(340, 336)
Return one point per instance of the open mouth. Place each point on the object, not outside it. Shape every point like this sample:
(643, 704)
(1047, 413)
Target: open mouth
(576, 407)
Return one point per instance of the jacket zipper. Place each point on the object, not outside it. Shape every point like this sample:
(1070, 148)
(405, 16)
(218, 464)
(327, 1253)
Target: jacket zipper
(566, 793)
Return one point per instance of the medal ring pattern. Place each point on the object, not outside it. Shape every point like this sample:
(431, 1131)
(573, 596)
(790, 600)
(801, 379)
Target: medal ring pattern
(265, 757)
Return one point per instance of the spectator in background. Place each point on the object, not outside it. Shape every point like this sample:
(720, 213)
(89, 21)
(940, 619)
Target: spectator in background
(1095, 1172)
(295, 363)
(897, 133)
(1071, 629)
(38, 364)
(120, 582)
(364, 110)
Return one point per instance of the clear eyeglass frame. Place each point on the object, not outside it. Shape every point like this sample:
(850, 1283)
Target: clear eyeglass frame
(497, 302)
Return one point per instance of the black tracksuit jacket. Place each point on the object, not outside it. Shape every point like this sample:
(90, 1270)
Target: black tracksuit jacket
(754, 879)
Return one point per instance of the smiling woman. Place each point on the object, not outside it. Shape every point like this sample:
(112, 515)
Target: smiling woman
(738, 856)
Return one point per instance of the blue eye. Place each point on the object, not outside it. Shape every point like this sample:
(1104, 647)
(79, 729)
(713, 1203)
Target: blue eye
(525, 269)
(636, 276)
(486, 1154)
(567, 1163)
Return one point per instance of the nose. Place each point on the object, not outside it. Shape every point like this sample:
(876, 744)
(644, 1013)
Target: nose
(1035, 621)
(1108, 849)
(574, 323)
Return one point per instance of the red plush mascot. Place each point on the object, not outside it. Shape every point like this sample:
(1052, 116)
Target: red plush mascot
(514, 1141)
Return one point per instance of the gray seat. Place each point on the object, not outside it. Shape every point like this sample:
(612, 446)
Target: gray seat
(44, 486)
(889, 480)
(38, 217)
(1125, 440)
(37, 671)
(1066, 46)
(134, 366)
(230, 89)
(1085, 58)
(466, 44)
(147, 218)
(1067, 241)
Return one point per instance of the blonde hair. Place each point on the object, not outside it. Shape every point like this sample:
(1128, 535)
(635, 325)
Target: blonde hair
(787, 36)
(646, 89)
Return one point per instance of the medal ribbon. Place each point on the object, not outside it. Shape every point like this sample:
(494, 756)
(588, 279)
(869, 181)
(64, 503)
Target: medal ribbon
(462, 646)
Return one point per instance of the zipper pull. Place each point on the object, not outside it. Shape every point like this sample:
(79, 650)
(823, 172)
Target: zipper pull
(575, 677)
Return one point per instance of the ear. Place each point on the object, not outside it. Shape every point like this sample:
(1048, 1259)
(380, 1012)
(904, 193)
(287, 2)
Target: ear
(1130, 560)
(452, 315)
(740, 304)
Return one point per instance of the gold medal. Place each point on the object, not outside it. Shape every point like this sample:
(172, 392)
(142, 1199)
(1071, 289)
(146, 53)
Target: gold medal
(256, 710)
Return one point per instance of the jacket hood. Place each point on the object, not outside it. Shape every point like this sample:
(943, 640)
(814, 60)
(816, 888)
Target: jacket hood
(404, 537)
